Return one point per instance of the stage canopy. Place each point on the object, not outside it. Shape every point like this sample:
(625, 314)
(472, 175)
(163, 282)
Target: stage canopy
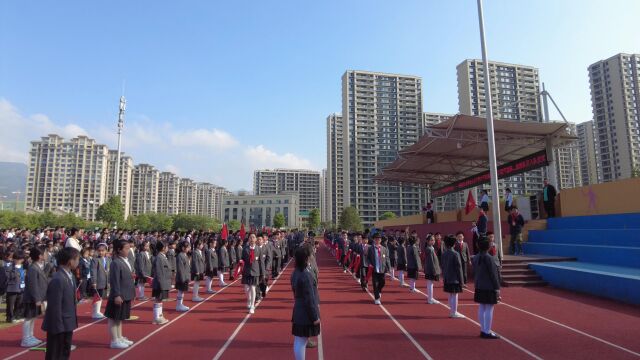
(457, 149)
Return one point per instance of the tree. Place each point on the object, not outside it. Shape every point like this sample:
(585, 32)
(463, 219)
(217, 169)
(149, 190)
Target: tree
(234, 225)
(278, 220)
(388, 215)
(350, 220)
(160, 222)
(111, 212)
(314, 219)
(635, 172)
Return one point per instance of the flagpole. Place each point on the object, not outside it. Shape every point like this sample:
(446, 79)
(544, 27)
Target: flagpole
(493, 169)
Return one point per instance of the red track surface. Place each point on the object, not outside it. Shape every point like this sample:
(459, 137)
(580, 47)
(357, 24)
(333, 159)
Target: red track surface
(545, 323)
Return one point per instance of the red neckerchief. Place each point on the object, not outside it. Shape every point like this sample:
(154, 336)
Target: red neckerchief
(251, 256)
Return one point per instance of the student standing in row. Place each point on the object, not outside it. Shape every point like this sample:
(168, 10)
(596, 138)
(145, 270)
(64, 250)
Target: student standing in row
(182, 274)
(211, 264)
(413, 262)
(34, 296)
(487, 288)
(379, 259)
(431, 268)
(100, 278)
(251, 272)
(60, 317)
(197, 269)
(452, 275)
(462, 249)
(16, 282)
(161, 283)
(306, 309)
(122, 291)
(402, 260)
(85, 273)
(143, 268)
(223, 262)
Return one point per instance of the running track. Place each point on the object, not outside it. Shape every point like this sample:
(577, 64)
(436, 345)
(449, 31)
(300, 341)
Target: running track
(542, 323)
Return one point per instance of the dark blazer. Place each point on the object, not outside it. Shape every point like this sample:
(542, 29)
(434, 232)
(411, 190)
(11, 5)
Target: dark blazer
(36, 285)
(385, 262)
(161, 273)
(211, 259)
(266, 255)
(121, 280)
(171, 257)
(431, 263)
(197, 262)
(223, 257)
(252, 267)
(482, 224)
(393, 250)
(306, 308)
(182, 268)
(551, 192)
(465, 257)
(132, 257)
(515, 224)
(99, 275)
(401, 255)
(232, 255)
(451, 267)
(238, 250)
(275, 249)
(413, 257)
(487, 275)
(60, 316)
(143, 265)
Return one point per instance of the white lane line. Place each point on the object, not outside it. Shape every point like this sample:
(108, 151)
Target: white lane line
(74, 331)
(246, 317)
(170, 322)
(593, 337)
(415, 343)
(320, 350)
(512, 343)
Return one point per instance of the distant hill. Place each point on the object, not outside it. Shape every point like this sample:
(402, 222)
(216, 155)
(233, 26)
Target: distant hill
(13, 177)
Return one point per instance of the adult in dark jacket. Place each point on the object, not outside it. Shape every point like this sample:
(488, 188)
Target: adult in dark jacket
(487, 288)
(549, 199)
(122, 292)
(161, 283)
(378, 257)
(60, 319)
(306, 308)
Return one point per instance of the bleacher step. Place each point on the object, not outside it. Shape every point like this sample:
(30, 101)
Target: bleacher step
(528, 283)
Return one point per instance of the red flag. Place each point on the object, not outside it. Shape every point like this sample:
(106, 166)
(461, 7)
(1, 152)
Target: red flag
(242, 232)
(225, 232)
(239, 268)
(471, 204)
(96, 297)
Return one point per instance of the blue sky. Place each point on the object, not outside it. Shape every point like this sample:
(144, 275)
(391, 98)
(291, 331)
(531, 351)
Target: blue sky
(216, 89)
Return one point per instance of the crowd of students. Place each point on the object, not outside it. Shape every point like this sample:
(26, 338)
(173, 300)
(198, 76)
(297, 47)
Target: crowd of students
(404, 256)
(49, 271)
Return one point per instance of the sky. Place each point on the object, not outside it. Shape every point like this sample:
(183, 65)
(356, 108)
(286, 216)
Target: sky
(217, 89)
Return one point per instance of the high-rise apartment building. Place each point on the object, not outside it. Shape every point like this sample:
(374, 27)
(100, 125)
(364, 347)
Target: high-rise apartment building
(515, 96)
(144, 189)
(587, 153)
(567, 163)
(381, 115)
(615, 102)
(335, 168)
(207, 199)
(429, 119)
(305, 182)
(168, 193)
(67, 176)
(124, 179)
(324, 207)
(188, 198)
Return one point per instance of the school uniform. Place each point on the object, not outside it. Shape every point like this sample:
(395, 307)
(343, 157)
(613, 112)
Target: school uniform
(171, 258)
(431, 264)
(85, 277)
(378, 257)
(132, 256)
(252, 266)
(393, 254)
(100, 274)
(142, 266)
(413, 261)
(276, 257)
(223, 259)
(487, 279)
(463, 249)
(233, 260)
(197, 265)
(266, 253)
(401, 254)
(182, 272)
(306, 307)
(452, 271)
(35, 290)
(161, 283)
(121, 284)
(16, 283)
(211, 262)
(60, 319)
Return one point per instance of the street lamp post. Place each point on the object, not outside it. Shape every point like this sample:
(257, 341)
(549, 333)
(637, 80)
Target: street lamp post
(493, 169)
(17, 194)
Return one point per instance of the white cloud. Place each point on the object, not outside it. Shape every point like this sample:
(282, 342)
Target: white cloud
(264, 158)
(19, 130)
(184, 152)
(215, 139)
